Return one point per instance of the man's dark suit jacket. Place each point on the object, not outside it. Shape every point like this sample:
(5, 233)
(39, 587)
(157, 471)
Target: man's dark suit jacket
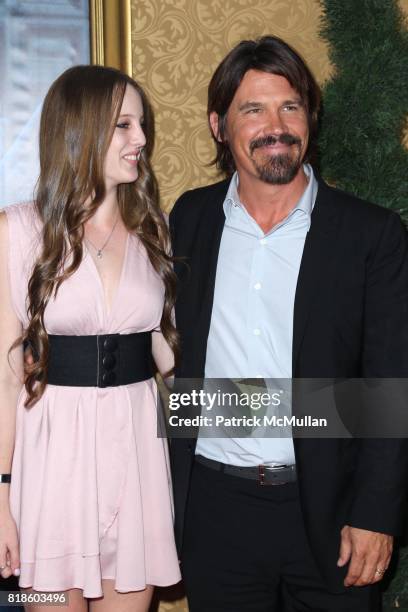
(350, 320)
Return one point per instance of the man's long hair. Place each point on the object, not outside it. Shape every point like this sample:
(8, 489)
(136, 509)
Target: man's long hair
(78, 118)
(267, 54)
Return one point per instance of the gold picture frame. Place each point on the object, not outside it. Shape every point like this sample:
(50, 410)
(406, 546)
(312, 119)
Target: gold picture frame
(110, 26)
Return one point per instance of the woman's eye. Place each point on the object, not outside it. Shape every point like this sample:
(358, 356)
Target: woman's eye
(122, 125)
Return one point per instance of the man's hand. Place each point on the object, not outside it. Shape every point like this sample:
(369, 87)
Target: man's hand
(369, 554)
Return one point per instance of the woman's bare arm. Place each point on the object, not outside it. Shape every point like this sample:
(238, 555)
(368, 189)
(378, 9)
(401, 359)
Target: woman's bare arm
(163, 357)
(11, 376)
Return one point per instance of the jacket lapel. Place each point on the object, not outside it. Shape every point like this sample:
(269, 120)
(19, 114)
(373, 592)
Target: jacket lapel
(315, 265)
(211, 240)
(206, 250)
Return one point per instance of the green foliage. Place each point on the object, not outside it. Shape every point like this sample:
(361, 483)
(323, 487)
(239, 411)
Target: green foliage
(365, 110)
(396, 594)
(365, 104)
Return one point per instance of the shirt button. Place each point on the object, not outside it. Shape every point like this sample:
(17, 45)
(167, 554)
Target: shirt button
(262, 241)
(257, 286)
(257, 332)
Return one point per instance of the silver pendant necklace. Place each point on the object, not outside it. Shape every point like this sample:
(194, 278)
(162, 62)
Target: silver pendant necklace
(100, 250)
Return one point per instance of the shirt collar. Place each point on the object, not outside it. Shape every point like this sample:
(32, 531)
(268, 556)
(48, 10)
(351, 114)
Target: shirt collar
(304, 205)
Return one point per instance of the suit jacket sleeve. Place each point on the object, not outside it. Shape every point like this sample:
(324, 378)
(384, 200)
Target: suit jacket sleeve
(382, 471)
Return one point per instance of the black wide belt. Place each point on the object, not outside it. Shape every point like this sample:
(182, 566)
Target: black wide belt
(100, 361)
(264, 474)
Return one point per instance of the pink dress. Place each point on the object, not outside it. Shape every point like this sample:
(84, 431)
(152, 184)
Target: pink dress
(91, 489)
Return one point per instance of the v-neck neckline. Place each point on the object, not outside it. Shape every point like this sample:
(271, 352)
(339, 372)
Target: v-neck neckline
(108, 313)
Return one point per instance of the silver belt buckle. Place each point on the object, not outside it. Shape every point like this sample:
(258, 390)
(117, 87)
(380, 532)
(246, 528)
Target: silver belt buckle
(261, 473)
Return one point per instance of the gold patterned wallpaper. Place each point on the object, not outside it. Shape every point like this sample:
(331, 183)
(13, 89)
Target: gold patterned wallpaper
(176, 45)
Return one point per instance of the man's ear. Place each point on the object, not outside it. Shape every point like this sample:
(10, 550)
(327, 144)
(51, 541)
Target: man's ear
(215, 125)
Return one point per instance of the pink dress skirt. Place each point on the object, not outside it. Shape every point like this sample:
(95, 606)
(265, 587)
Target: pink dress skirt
(91, 488)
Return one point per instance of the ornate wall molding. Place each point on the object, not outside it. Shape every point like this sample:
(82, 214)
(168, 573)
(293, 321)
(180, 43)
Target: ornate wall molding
(111, 42)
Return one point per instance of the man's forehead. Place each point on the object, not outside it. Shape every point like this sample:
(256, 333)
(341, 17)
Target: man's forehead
(267, 83)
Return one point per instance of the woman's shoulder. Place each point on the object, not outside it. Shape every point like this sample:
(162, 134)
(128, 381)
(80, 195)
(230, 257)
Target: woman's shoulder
(22, 232)
(22, 217)
(24, 210)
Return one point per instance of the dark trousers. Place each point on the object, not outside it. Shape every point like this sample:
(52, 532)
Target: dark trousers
(245, 550)
(10, 584)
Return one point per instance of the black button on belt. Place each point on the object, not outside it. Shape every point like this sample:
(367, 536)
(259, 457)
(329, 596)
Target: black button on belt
(110, 344)
(108, 378)
(109, 361)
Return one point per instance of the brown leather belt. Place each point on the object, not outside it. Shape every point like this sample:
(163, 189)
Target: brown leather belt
(264, 474)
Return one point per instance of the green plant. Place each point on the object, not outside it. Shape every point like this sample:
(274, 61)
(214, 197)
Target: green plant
(365, 103)
(365, 110)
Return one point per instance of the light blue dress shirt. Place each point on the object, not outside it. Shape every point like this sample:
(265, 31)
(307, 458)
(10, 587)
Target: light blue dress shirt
(251, 329)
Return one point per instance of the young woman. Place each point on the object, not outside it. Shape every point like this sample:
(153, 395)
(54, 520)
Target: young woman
(87, 282)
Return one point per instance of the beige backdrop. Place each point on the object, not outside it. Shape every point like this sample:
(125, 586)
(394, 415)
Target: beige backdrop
(176, 45)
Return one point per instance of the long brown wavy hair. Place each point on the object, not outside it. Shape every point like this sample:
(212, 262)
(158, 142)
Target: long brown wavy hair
(77, 122)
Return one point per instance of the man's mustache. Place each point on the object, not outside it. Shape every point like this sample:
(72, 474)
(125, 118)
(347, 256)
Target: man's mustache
(265, 141)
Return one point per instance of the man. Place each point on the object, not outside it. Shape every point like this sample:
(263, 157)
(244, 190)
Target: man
(285, 277)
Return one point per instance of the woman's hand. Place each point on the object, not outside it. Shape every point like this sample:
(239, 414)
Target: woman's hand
(9, 553)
